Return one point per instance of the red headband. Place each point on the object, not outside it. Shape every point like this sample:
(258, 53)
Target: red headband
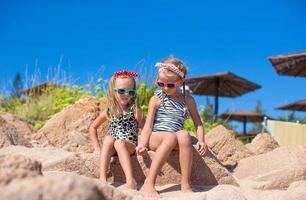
(125, 73)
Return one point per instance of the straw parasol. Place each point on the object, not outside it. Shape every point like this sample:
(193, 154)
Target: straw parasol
(221, 84)
(290, 64)
(243, 116)
(298, 106)
(37, 90)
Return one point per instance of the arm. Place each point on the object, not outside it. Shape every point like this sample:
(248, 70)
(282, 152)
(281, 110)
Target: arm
(147, 129)
(93, 131)
(139, 117)
(192, 107)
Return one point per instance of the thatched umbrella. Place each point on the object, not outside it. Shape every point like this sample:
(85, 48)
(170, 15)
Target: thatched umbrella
(38, 89)
(243, 116)
(221, 84)
(298, 106)
(290, 64)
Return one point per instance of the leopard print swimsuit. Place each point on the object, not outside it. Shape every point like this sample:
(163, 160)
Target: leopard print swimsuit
(124, 126)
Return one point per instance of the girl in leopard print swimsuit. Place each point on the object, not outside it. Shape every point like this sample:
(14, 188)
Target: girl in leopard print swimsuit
(125, 119)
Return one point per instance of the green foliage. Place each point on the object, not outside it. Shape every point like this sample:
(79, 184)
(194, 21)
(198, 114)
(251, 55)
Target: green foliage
(207, 117)
(38, 109)
(206, 112)
(245, 140)
(10, 105)
(144, 95)
(189, 126)
(98, 90)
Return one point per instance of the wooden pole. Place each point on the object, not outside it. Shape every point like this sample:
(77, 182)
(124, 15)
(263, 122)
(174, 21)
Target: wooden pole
(217, 84)
(244, 125)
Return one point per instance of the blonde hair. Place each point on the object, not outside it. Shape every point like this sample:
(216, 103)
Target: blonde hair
(112, 104)
(180, 65)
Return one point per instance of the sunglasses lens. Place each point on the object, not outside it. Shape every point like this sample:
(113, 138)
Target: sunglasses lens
(121, 91)
(160, 84)
(170, 85)
(132, 93)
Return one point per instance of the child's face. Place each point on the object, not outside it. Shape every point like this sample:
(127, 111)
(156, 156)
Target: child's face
(124, 90)
(169, 84)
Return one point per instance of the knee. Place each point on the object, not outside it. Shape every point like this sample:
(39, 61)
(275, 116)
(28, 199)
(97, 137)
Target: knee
(108, 140)
(171, 139)
(184, 138)
(119, 144)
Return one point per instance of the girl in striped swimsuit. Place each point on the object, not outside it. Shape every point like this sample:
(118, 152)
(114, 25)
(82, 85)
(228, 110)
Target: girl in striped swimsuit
(163, 130)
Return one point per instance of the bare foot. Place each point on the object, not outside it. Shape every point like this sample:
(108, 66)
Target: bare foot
(103, 180)
(131, 185)
(186, 188)
(149, 192)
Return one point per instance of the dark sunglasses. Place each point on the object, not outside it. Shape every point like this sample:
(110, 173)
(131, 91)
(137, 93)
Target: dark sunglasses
(123, 91)
(169, 85)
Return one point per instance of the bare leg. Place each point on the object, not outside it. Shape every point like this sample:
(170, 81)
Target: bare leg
(162, 143)
(124, 150)
(185, 154)
(106, 153)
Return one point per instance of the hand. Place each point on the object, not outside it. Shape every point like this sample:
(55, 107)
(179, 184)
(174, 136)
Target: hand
(141, 150)
(201, 148)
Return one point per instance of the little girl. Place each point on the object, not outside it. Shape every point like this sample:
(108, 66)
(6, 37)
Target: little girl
(163, 130)
(125, 118)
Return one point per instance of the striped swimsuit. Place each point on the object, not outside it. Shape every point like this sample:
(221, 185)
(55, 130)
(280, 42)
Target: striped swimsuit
(171, 115)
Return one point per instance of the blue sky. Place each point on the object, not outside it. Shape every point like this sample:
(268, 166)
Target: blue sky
(96, 38)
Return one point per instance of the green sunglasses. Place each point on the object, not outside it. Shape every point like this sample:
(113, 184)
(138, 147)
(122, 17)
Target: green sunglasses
(123, 91)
